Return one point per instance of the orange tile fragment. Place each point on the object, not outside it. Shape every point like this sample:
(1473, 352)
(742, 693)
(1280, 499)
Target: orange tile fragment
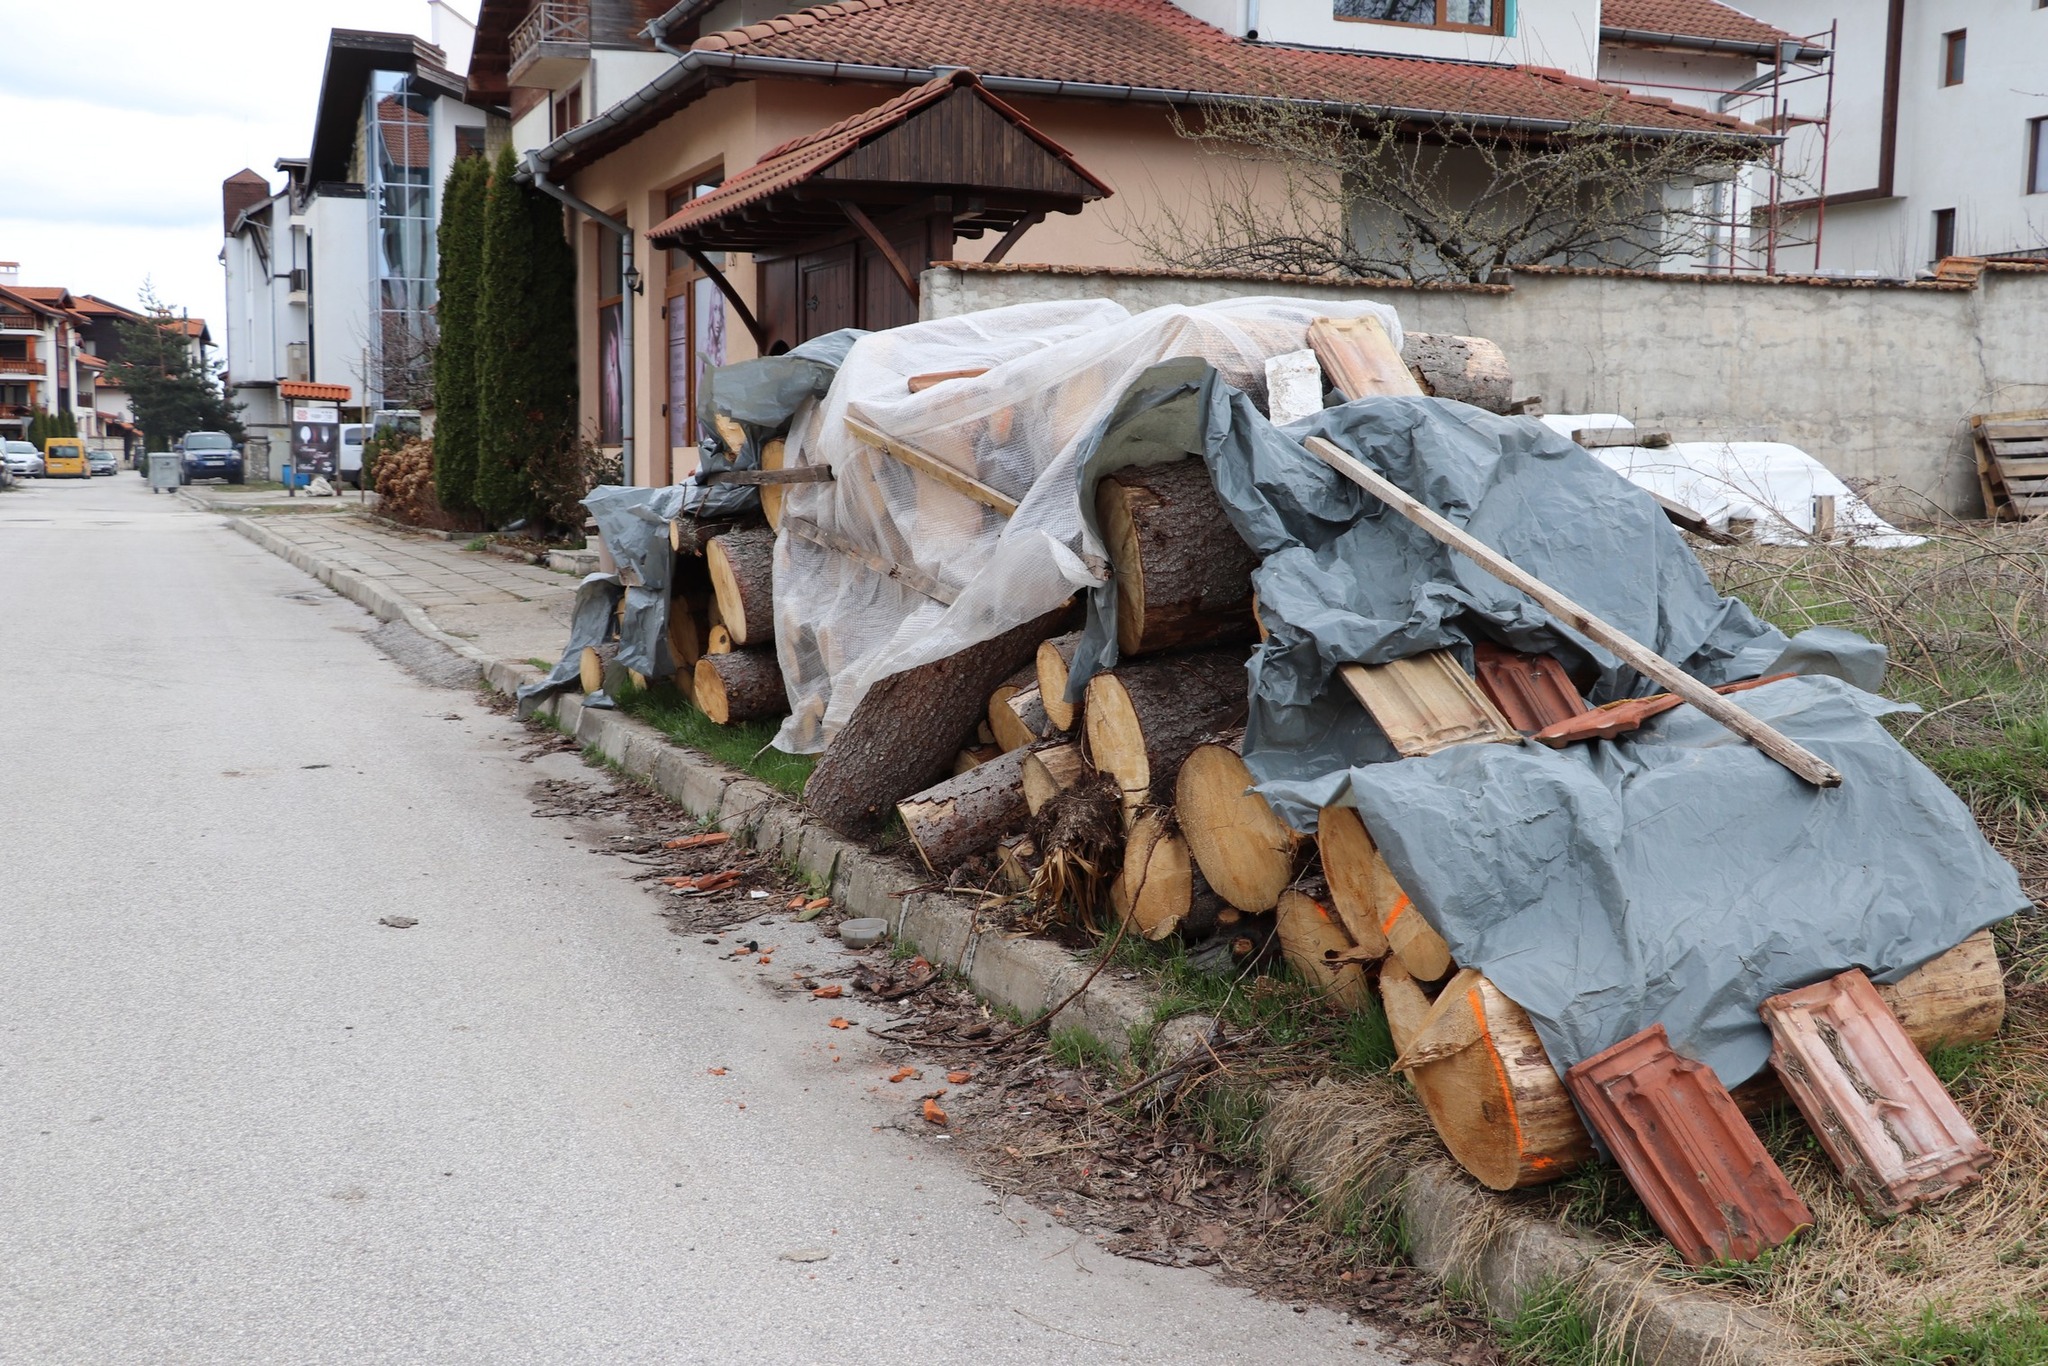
(933, 1114)
(698, 841)
(905, 1074)
(959, 1078)
(823, 903)
(716, 1071)
(838, 1023)
(831, 993)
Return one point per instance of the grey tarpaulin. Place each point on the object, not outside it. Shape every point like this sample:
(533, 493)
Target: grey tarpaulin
(1679, 875)
(761, 396)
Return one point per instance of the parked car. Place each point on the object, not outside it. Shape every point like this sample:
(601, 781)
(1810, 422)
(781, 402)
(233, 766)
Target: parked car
(350, 462)
(64, 457)
(103, 462)
(24, 461)
(209, 455)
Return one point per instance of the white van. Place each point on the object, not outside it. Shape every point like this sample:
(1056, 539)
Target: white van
(350, 453)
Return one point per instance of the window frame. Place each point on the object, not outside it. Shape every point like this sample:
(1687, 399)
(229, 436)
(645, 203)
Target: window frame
(1955, 57)
(1944, 227)
(1497, 28)
(2037, 152)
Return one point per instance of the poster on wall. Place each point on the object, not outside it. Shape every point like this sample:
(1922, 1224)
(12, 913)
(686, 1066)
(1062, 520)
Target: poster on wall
(611, 405)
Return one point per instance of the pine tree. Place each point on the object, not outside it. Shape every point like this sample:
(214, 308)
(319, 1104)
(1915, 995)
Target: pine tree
(456, 354)
(172, 391)
(526, 343)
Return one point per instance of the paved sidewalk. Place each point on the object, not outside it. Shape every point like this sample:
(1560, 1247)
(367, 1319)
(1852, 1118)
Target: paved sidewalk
(506, 609)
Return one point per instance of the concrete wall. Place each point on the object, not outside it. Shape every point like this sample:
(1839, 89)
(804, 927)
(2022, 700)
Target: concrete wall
(1876, 381)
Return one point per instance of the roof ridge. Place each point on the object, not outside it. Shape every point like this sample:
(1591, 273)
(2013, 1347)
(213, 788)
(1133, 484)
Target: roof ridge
(726, 40)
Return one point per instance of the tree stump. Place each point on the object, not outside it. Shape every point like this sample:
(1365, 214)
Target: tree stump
(1049, 771)
(904, 734)
(1314, 944)
(742, 566)
(1485, 1081)
(1055, 658)
(1183, 577)
(744, 685)
(1469, 369)
(1245, 851)
(966, 815)
(1144, 717)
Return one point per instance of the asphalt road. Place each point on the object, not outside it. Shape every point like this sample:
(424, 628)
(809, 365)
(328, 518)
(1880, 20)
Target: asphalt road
(243, 1122)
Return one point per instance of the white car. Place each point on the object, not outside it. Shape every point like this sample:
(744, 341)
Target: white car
(24, 461)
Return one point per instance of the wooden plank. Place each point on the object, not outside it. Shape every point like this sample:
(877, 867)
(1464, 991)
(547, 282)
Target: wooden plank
(2011, 468)
(2009, 450)
(1824, 517)
(802, 474)
(1636, 655)
(910, 577)
(1360, 358)
(1427, 703)
(2014, 431)
(924, 462)
(1602, 438)
(920, 383)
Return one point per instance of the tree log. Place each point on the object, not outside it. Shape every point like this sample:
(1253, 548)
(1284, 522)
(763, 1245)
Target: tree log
(1245, 851)
(1021, 720)
(1469, 369)
(999, 713)
(1361, 886)
(905, 732)
(1309, 935)
(720, 642)
(741, 686)
(1156, 887)
(593, 662)
(1183, 578)
(773, 456)
(1054, 659)
(1143, 718)
(1955, 999)
(1049, 771)
(1485, 1081)
(968, 814)
(742, 565)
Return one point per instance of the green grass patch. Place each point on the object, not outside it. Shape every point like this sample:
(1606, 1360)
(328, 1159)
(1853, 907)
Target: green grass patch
(541, 664)
(479, 543)
(2011, 773)
(2005, 1337)
(1228, 1116)
(1079, 1046)
(744, 746)
(1554, 1328)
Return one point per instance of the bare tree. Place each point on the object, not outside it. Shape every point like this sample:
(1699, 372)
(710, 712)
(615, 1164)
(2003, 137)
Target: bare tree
(1308, 190)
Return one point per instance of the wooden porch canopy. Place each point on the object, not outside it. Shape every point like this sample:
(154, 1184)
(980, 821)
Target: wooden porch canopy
(947, 149)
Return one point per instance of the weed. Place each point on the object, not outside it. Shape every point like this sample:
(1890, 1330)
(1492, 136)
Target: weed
(1228, 1116)
(1553, 1328)
(480, 543)
(2002, 1337)
(1365, 1043)
(540, 664)
(1079, 1046)
(1953, 1063)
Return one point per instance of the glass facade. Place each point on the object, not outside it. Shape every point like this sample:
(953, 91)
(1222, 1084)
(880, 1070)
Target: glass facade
(398, 182)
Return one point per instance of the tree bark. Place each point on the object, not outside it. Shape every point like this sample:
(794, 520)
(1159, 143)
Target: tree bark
(1054, 659)
(1144, 717)
(1049, 771)
(1020, 719)
(1309, 934)
(905, 732)
(1245, 851)
(967, 814)
(1183, 578)
(741, 686)
(742, 565)
(1485, 1081)
(1469, 369)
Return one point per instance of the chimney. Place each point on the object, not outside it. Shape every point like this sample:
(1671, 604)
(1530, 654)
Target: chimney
(238, 193)
(10, 274)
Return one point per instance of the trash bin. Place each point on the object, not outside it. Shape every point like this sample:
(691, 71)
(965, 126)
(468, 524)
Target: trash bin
(163, 470)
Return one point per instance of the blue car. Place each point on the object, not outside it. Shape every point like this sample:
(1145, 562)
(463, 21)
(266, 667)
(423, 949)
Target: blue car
(209, 455)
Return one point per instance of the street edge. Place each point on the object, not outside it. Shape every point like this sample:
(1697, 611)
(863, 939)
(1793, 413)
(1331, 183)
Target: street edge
(1515, 1260)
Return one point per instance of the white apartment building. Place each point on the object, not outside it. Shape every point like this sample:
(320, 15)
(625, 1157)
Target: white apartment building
(330, 276)
(1939, 135)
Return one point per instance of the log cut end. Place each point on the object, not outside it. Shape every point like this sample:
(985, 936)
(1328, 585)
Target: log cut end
(1247, 853)
(745, 685)
(1055, 657)
(1156, 887)
(1361, 886)
(1315, 945)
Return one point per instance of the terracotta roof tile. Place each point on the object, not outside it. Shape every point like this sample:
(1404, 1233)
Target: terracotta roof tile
(1151, 44)
(1689, 19)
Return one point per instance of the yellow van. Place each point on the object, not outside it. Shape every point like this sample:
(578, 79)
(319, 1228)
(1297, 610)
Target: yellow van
(65, 455)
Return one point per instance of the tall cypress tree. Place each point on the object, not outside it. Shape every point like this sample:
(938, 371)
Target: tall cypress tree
(526, 342)
(455, 354)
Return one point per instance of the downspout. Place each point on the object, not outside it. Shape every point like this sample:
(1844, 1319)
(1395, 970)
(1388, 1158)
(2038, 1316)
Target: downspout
(629, 284)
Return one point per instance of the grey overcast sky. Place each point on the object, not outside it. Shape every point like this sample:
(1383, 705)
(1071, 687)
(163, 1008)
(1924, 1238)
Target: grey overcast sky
(124, 116)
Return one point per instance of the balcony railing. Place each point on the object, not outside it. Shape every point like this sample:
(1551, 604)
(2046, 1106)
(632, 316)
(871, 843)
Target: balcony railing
(14, 365)
(550, 21)
(18, 322)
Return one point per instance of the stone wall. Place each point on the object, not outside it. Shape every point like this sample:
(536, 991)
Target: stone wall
(1875, 379)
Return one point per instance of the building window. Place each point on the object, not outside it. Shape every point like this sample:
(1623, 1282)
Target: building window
(1472, 16)
(2037, 155)
(696, 322)
(399, 159)
(567, 111)
(1944, 234)
(1954, 46)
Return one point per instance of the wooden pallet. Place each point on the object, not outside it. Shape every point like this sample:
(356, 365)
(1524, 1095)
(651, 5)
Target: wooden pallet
(2012, 463)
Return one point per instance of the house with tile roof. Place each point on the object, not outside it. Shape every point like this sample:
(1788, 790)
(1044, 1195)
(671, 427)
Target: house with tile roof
(55, 347)
(634, 116)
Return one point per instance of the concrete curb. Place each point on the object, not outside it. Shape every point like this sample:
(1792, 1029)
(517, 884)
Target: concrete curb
(1515, 1259)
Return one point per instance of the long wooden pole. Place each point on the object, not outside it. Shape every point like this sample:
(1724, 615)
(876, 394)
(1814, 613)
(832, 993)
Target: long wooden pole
(1637, 656)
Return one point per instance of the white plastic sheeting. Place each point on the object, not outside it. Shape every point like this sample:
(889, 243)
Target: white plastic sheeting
(1767, 483)
(1056, 370)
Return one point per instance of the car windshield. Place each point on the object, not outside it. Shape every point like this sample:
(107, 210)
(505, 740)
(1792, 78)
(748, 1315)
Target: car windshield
(351, 436)
(208, 441)
(20, 448)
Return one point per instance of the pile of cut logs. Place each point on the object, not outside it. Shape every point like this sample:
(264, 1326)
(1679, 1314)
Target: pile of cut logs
(991, 770)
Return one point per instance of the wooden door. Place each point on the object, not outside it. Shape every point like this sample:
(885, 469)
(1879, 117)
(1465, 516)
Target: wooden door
(825, 287)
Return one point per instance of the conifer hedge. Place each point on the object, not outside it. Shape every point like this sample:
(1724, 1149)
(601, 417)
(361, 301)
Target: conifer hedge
(455, 354)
